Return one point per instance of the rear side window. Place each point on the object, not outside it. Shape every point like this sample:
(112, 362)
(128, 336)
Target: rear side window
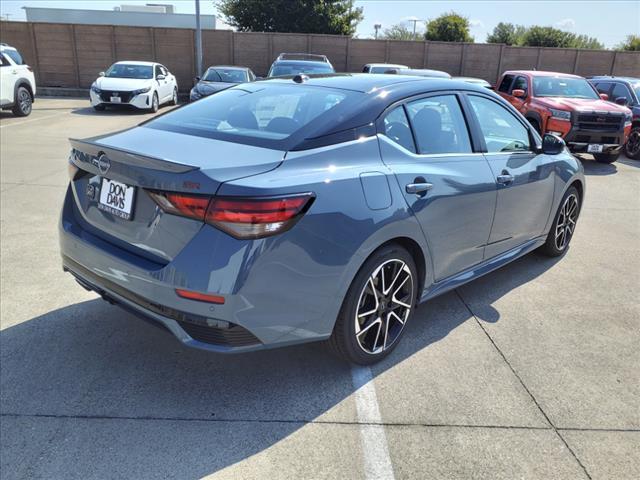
(505, 83)
(502, 131)
(621, 91)
(270, 112)
(603, 87)
(396, 128)
(439, 126)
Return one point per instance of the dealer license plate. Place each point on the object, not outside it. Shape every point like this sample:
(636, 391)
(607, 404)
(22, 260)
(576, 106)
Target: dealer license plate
(116, 198)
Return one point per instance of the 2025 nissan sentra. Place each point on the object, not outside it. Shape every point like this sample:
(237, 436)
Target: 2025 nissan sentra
(313, 208)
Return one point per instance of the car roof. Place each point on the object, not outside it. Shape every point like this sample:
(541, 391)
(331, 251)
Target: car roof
(4, 46)
(616, 79)
(228, 67)
(133, 62)
(541, 73)
(424, 72)
(385, 65)
(305, 62)
(359, 82)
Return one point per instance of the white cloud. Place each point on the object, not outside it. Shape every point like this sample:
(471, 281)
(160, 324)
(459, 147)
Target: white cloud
(566, 24)
(473, 23)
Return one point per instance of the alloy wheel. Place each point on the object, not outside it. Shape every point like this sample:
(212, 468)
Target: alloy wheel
(633, 143)
(566, 223)
(384, 306)
(24, 100)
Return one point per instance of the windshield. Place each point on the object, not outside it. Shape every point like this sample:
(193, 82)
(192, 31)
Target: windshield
(122, 70)
(636, 88)
(563, 87)
(228, 75)
(15, 56)
(267, 112)
(284, 69)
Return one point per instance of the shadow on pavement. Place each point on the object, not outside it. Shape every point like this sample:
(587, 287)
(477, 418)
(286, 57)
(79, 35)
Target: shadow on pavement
(591, 167)
(93, 360)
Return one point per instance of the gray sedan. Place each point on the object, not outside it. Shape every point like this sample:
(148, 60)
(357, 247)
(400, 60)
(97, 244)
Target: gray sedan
(220, 78)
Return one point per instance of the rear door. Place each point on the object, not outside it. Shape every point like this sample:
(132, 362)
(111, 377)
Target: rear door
(524, 178)
(449, 188)
(8, 77)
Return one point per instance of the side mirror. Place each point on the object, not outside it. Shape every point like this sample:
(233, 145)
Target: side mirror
(101, 74)
(604, 96)
(197, 79)
(519, 93)
(160, 77)
(622, 101)
(552, 144)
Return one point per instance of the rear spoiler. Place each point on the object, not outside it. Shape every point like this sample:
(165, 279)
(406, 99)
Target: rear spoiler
(88, 152)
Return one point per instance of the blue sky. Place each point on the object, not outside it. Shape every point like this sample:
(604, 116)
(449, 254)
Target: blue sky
(608, 20)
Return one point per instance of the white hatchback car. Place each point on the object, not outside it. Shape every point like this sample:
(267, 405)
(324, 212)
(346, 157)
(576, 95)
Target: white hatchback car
(17, 82)
(144, 85)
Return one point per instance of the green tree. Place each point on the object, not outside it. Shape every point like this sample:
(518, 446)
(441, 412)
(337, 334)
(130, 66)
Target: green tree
(338, 17)
(507, 33)
(399, 32)
(538, 36)
(448, 27)
(584, 41)
(631, 43)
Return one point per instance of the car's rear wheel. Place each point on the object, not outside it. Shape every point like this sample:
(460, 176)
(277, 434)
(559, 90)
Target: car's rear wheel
(99, 108)
(24, 103)
(564, 224)
(378, 305)
(155, 103)
(606, 157)
(632, 147)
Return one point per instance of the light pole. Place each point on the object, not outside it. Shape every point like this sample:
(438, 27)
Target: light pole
(377, 27)
(198, 41)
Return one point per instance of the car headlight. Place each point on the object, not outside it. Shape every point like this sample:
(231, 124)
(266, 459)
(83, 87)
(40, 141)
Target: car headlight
(142, 90)
(560, 114)
(95, 89)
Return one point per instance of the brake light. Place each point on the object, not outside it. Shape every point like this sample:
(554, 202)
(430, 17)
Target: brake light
(240, 217)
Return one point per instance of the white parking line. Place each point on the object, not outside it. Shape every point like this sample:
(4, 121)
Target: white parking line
(33, 120)
(377, 462)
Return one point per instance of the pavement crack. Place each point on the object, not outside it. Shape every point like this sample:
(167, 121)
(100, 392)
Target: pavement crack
(531, 395)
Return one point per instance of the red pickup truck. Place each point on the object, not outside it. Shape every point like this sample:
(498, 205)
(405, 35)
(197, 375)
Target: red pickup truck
(570, 107)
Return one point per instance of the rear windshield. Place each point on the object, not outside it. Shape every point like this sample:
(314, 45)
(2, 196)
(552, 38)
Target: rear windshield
(227, 75)
(294, 68)
(563, 87)
(259, 114)
(123, 70)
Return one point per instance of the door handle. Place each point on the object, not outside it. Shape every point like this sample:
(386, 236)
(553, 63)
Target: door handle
(505, 178)
(418, 188)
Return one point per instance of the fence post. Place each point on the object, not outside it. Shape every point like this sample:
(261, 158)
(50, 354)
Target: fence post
(113, 44)
(154, 51)
(270, 37)
(538, 58)
(501, 58)
(613, 62)
(463, 58)
(36, 62)
(232, 46)
(75, 54)
(575, 62)
(347, 61)
(425, 54)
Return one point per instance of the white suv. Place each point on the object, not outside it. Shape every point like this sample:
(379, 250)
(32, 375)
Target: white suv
(17, 82)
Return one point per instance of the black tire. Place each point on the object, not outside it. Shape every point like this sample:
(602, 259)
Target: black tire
(155, 103)
(23, 102)
(606, 157)
(553, 247)
(632, 147)
(99, 108)
(174, 98)
(389, 261)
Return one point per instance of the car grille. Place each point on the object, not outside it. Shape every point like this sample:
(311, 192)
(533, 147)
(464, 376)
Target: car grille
(599, 122)
(106, 95)
(197, 327)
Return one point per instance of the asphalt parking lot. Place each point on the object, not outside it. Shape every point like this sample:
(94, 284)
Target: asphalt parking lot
(530, 372)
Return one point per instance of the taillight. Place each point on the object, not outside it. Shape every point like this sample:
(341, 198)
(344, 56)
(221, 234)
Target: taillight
(240, 217)
(201, 297)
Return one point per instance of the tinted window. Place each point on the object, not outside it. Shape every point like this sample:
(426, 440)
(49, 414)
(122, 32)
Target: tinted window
(502, 131)
(270, 112)
(396, 127)
(520, 83)
(294, 68)
(563, 87)
(439, 125)
(3, 62)
(121, 70)
(15, 56)
(603, 87)
(365, 69)
(164, 71)
(228, 75)
(620, 90)
(505, 83)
